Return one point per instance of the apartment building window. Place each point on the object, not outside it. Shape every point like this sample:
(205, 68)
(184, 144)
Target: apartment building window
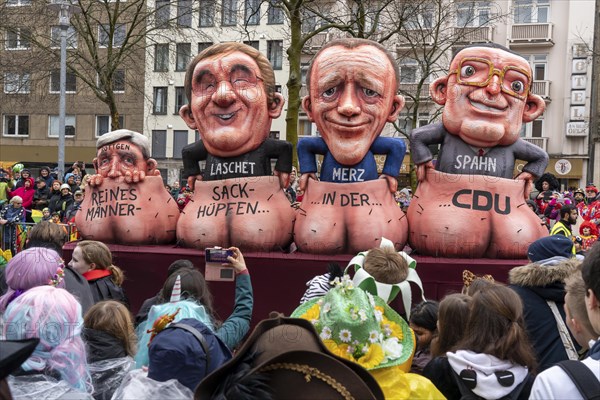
(409, 71)
(159, 100)
(274, 13)
(16, 125)
(162, 13)
(473, 13)
(275, 53)
(309, 21)
(533, 129)
(161, 57)
(118, 82)
(159, 144)
(104, 124)
(18, 39)
(531, 11)
(207, 13)
(180, 99)
(183, 53)
(180, 140)
(252, 43)
(71, 86)
(55, 37)
(184, 13)
(420, 16)
(53, 125)
(104, 35)
(229, 13)
(203, 46)
(15, 83)
(252, 12)
(14, 3)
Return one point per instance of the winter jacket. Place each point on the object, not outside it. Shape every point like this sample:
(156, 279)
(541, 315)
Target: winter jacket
(102, 345)
(26, 194)
(41, 198)
(104, 288)
(441, 371)
(537, 283)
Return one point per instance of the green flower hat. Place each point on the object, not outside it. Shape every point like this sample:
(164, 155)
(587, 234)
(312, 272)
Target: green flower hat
(360, 327)
(387, 292)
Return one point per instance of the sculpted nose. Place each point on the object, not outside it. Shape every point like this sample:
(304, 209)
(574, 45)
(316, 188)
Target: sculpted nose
(224, 94)
(494, 86)
(348, 104)
(114, 170)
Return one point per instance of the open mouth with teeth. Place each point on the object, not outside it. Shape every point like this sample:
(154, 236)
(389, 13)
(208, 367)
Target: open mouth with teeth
(225, 117)
(486, 108)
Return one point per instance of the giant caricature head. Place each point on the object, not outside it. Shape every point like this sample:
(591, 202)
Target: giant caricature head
(352, 86)
(121, 152)
(232, 100)
(487, 96)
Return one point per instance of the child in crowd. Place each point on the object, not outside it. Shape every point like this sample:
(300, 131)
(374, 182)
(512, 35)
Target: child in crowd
(494, 358)
(31, 268)
(58, 365)
(111, 344)
(423, 322)
(46, 214)
(93, 260)
(453, 313)
(473, 283)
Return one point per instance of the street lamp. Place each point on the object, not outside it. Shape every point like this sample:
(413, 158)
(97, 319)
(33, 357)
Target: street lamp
(65, 9)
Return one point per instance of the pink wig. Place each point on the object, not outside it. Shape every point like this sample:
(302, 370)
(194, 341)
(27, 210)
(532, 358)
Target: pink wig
(28, 269)
(54, 316)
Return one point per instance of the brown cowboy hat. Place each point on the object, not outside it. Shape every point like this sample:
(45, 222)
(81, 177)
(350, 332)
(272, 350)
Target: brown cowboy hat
(293, 363)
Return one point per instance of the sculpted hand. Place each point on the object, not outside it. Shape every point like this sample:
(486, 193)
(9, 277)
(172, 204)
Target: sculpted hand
(95, 180)
(391, 181)
(284, 178)
(191, 181)
(236, 261)
(304, 180)
(528, 178)
(422, 170)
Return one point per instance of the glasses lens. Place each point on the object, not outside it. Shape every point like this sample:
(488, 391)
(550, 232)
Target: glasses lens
(474, 71)
(515, 81)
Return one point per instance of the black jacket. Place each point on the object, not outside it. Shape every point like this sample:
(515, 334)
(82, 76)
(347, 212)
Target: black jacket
(105, 289)
(102, 346)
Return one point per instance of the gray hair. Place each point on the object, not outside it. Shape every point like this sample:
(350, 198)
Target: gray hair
(15, 199)
(134, 137)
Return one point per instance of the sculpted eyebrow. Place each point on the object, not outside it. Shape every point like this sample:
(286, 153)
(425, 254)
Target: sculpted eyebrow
(370, 83)
(241, 67)
(329, 81)
(201, 74)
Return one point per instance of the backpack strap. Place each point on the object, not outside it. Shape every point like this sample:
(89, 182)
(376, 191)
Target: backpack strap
(198, 335)
(583, 378)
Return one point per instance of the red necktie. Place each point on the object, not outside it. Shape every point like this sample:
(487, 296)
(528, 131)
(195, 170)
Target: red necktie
(480, 153)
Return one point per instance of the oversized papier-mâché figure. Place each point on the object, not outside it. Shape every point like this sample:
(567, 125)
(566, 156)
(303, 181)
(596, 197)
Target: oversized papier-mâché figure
(237, 199)
(126, 201)
(352, 85)
(468, 204)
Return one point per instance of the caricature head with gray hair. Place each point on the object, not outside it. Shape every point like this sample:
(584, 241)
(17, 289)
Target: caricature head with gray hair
(123, 153)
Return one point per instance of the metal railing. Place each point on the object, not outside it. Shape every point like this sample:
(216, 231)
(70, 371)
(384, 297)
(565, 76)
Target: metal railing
(541, 88)
(22, 233)
(531, 33)
(411, 88)
(541, 142)
(475, 34)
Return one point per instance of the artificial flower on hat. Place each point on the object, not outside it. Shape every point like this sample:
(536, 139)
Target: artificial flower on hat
(386, 291)
(360, 327)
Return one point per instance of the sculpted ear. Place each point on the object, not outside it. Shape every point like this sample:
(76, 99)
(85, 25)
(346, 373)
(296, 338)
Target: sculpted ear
(276, 106)
(438, 89)
(307, 105)
(534, 107)
(397, 106)
(186, 114)
(151, 165)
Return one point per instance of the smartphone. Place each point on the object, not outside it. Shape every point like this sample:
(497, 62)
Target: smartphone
(217, 255)
(214, 270)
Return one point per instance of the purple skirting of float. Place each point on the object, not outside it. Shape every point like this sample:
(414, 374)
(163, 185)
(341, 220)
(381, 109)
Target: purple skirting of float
(279, 280)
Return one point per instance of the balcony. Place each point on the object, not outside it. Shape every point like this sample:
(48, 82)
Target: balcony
(542, 89)
(411, 88)
(541, 142)
(317, 41)
(415, 38)
(531, 34)
(478, 34)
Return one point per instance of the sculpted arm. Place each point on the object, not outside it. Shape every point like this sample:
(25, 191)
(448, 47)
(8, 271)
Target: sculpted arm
(191, 155)
(308, 148)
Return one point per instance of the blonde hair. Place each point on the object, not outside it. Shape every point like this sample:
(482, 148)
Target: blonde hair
(575, 288)
(113, 317)
(98, 253)
(385, 265)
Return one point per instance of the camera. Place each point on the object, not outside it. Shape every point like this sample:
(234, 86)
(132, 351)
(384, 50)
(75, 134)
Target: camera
(214, 271)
